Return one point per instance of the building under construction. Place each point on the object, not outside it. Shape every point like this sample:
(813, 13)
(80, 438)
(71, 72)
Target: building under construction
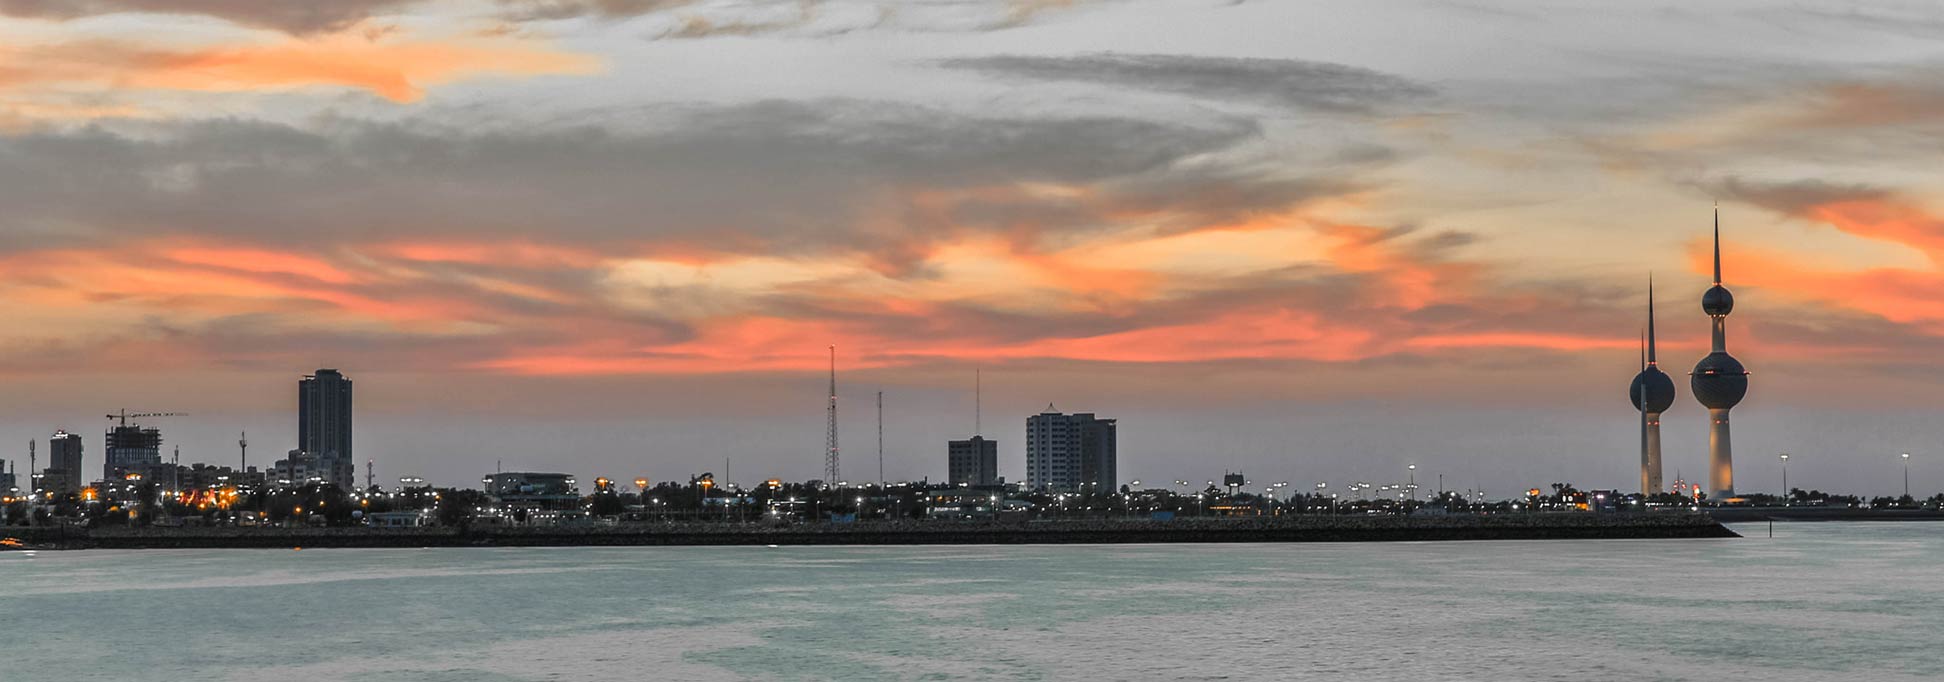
(131, 449)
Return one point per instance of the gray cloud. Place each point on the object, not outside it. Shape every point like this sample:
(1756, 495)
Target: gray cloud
(796, 176)
(1316, 86)
(546, 10)
(1791, 198)
(687, 18)
(709, 18)
(293, 16)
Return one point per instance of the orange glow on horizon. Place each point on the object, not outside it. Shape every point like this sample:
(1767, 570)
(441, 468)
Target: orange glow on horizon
(397, 70)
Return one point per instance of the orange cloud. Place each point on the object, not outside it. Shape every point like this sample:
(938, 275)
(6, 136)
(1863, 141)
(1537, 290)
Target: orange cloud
(396, 70)
(218, 281)
(259, 261)
(538, 309)
(503, 254)
(1413, 281)
(1884, 219)
(1561, 342)
(1898, 295)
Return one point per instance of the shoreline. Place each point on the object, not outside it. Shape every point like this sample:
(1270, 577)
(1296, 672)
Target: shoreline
(1090, 531)
(1759, 514)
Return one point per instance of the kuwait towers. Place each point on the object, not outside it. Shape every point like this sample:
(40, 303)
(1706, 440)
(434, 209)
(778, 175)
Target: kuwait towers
(1652, 393)
(1719, 381)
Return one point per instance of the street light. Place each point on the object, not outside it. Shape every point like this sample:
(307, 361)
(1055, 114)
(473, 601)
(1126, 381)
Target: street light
(1413, 469)
(1906, 460)
(1785, 477)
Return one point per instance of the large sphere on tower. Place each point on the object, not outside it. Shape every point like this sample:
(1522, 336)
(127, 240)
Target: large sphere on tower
(1657, 387)
(1717, 301)
(1719, 381)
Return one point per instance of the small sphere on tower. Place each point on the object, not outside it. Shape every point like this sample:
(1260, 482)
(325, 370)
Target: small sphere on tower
(1717, 301)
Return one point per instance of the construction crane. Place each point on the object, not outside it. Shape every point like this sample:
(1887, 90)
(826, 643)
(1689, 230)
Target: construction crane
(125, 416)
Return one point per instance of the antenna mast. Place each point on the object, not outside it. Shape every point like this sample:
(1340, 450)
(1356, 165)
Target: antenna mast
(830, 435)
(978, 392)
(880, 440)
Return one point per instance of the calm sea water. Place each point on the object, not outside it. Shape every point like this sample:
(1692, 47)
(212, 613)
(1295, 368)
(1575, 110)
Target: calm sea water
(1848, 601)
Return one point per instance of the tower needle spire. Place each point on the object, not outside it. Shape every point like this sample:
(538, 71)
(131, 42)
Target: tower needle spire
(1717, 242)
(1651, 360)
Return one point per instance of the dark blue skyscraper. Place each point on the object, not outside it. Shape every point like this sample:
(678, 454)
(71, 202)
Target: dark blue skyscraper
(324, 425)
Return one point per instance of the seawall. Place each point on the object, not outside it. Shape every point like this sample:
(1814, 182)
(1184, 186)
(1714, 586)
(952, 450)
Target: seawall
(1091, 531)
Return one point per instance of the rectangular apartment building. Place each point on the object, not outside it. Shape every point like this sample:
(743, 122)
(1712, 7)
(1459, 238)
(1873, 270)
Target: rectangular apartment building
(1070, 451)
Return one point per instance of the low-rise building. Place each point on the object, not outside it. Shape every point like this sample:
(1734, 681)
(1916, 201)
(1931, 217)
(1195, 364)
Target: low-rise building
(399, 519)
(972, 462)
(529, 496)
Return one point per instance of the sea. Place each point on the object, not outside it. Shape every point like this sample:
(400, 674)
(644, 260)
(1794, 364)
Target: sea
(1817, 601)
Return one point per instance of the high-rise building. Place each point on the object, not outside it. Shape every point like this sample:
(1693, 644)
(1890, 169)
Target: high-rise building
(63, 473)
(324, 426)
(131, 449)
(1069, 451)
(1719, 381)
(973, 461)
(1652, 393)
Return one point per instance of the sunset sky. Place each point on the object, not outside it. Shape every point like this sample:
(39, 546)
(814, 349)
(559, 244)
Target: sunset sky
(1309, 241)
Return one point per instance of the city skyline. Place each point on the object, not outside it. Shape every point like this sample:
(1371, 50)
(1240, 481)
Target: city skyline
(588, 238)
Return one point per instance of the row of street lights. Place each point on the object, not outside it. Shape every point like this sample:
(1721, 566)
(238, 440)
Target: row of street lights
(1785, 474)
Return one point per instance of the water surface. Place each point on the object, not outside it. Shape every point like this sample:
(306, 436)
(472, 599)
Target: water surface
(1820, 601)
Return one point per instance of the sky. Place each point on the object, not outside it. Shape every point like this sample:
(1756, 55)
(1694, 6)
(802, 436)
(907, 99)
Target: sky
(1312, 242)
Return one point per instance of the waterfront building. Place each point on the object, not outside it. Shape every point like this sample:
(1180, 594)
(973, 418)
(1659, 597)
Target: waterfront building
(1652, 393)
(63, 473)
(972, 462)
(527, 491)
(1069, 451)
(131, 449)
(399, 519)
(1719, 381)
(201, 476)
(324, 426)
(7, 478)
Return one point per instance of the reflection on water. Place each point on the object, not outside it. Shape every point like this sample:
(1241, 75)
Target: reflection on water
(1818, 602)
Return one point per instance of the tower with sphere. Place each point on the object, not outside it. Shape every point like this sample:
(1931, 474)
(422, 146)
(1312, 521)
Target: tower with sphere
(1652, 393)
(1719, 381)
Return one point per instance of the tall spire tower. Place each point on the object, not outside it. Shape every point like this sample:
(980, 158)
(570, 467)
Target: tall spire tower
(1719, 381)
(1652, 393)
(830, 436)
